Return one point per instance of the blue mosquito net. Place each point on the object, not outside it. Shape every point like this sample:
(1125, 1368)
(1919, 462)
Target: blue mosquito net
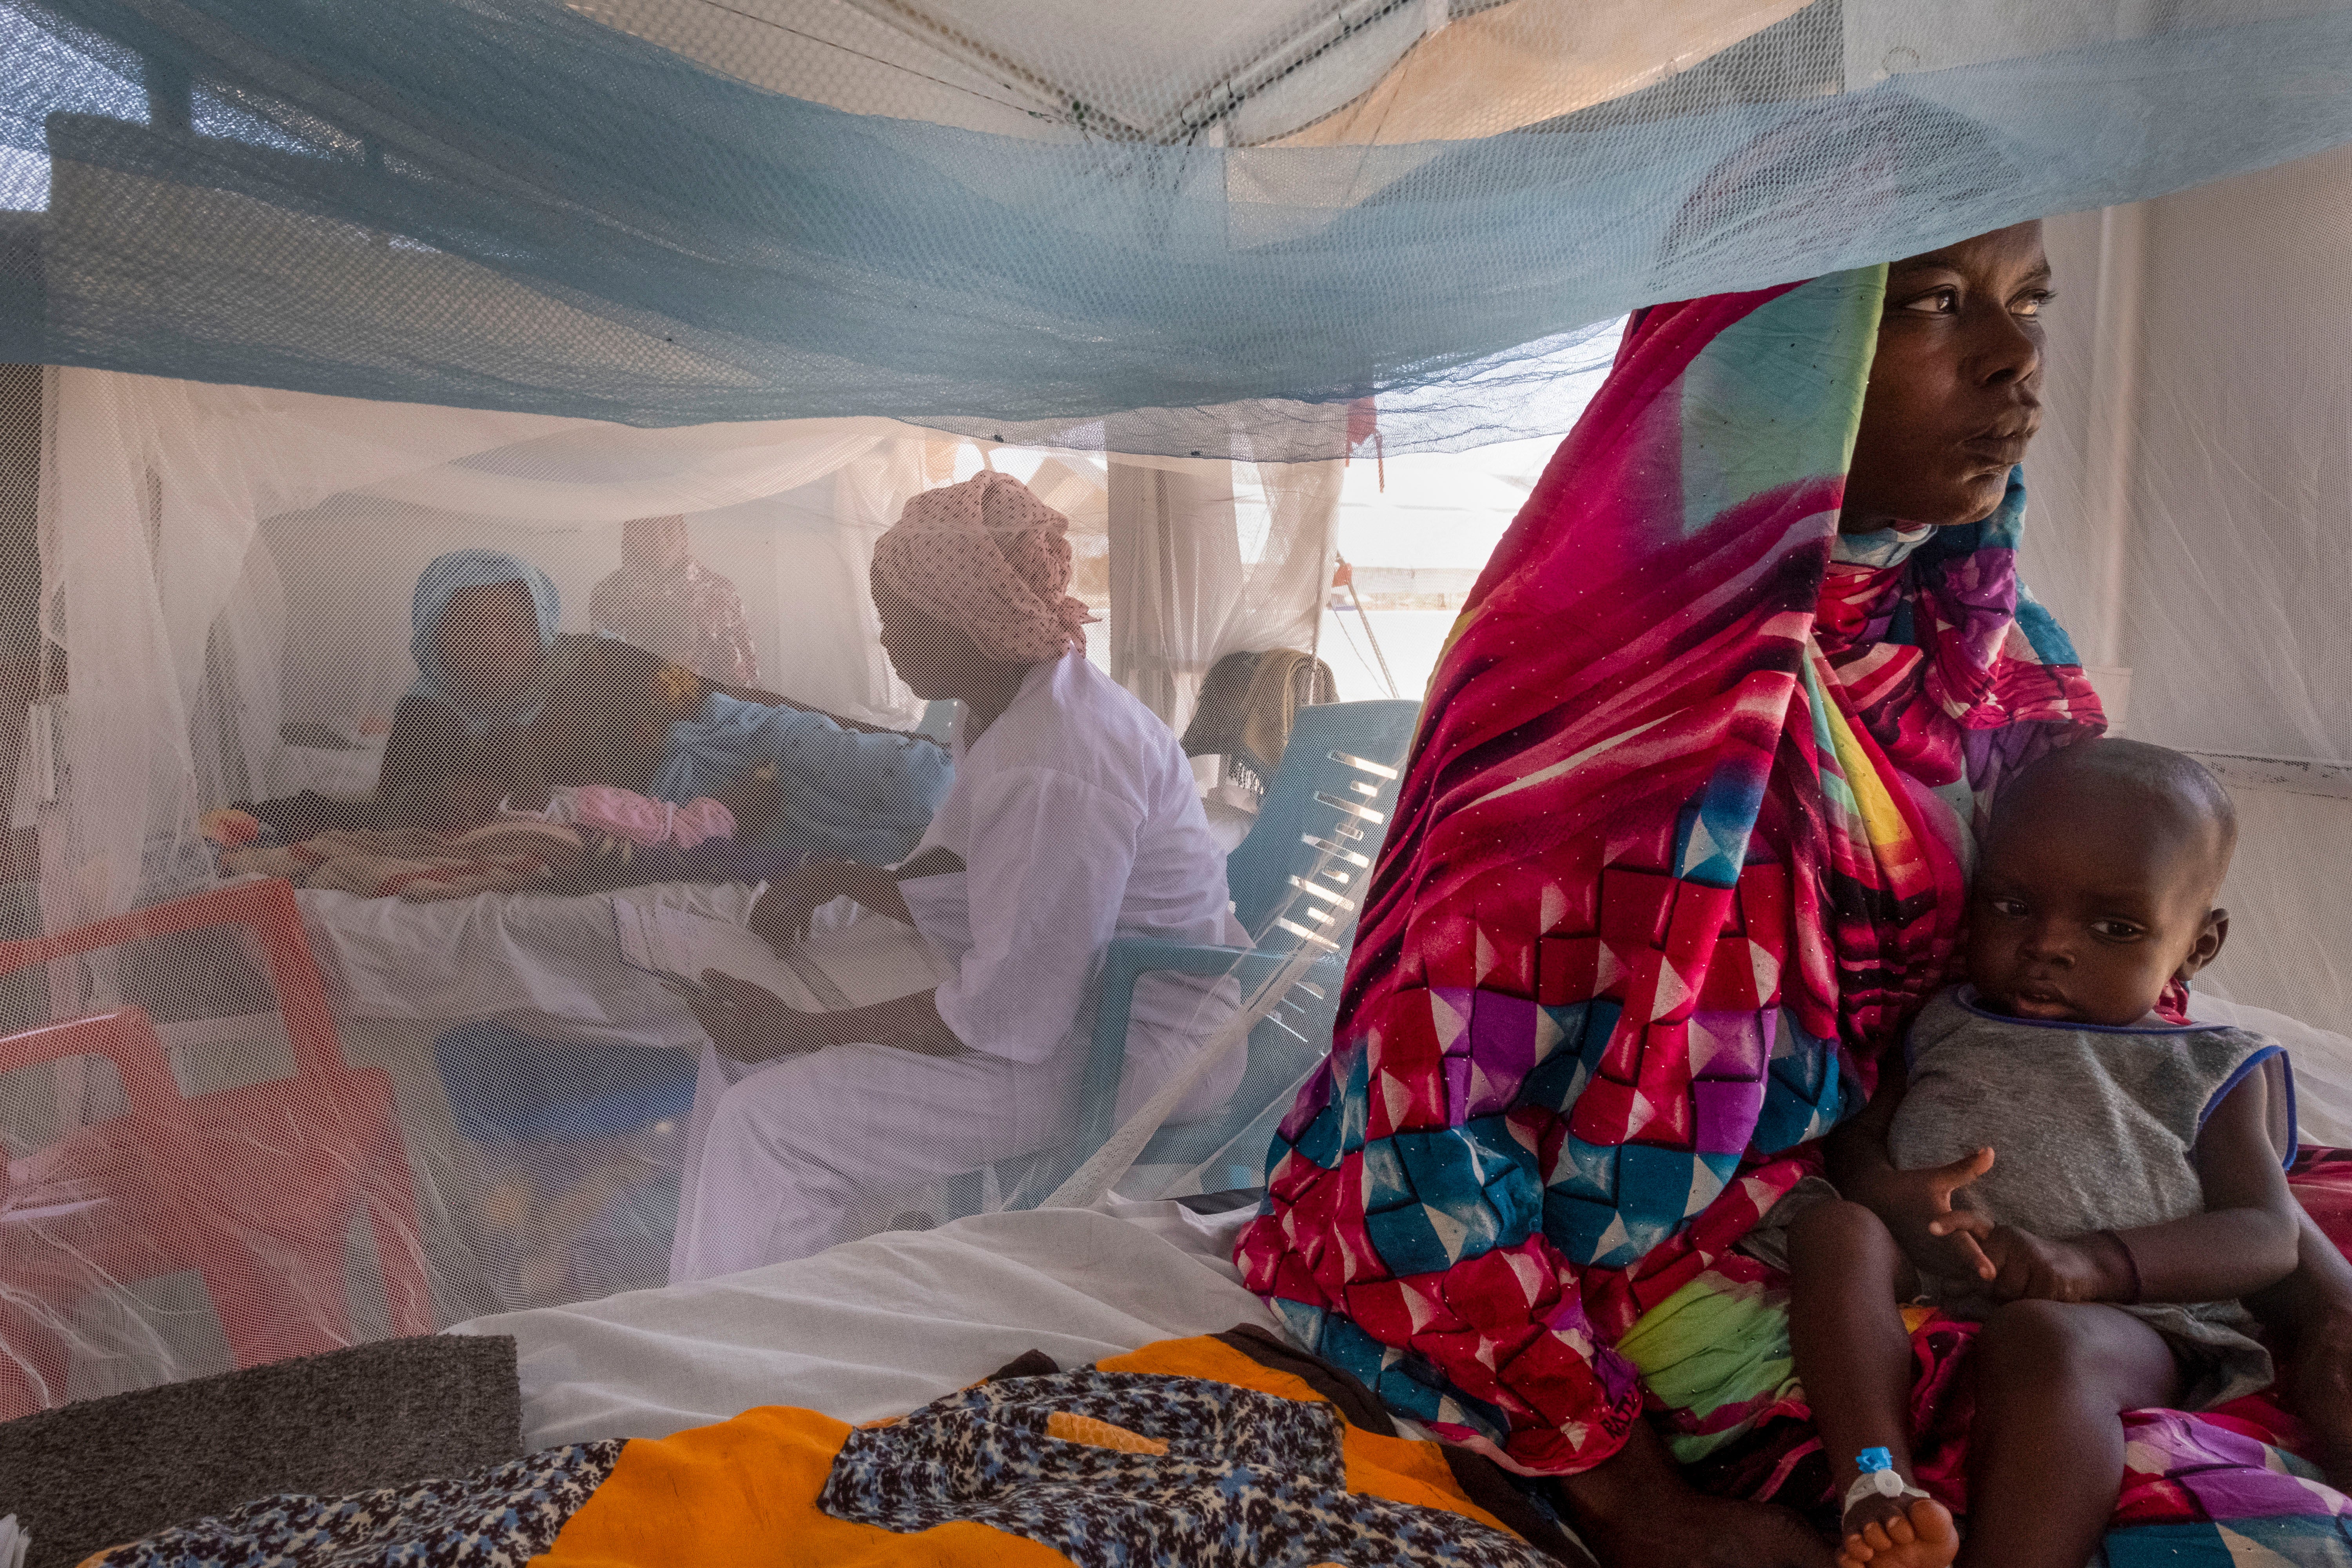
(1132, 240)
(681, 302)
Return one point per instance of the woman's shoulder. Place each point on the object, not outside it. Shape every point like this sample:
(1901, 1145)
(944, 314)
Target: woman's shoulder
(577, 653)
(1080, 723)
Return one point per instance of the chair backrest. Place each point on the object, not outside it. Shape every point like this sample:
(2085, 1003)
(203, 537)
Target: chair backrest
(124, 1038)
(1283, 1048)
(266, 909)
(939, 720)
(1325, 816)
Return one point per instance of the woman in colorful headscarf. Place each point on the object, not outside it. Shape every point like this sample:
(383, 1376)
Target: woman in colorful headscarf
(1073, 819)
(1682, 846)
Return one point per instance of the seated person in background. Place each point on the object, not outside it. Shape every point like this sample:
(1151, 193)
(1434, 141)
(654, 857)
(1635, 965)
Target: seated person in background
(664, 600)
(2116, 1181)
(1073, 819)
(504, 708)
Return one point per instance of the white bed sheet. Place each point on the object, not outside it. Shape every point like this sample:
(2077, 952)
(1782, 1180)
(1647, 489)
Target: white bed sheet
(879, 1327)
(549, 966)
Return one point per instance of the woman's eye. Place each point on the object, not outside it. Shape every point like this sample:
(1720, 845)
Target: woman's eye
(1936, 302)
(2030, 305)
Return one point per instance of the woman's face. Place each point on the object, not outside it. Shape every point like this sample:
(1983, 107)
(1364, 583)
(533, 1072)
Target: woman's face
(487, 643)
(937, 661)
(1955, 390)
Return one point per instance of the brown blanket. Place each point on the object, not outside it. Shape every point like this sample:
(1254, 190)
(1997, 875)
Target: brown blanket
(422, 866)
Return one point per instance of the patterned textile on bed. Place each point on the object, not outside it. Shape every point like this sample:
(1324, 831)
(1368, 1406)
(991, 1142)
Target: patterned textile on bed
(1229, 1450)
(497, 1518)
(423, 866)
(1232, 1451)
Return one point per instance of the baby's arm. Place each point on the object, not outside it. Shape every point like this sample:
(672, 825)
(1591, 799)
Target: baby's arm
(2245, 1240)
(1908, 1203)
(2246, 1237)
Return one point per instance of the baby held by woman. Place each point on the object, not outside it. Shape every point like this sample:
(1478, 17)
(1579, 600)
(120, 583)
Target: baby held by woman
(2060, 1157)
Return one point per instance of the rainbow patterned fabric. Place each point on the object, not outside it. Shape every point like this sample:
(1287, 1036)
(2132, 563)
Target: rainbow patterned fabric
(1668, 871)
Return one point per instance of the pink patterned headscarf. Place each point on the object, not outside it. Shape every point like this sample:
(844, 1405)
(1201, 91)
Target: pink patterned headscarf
(989, 559)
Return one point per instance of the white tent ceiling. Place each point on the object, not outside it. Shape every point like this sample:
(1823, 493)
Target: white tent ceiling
(1241, 72)
(1328, 72)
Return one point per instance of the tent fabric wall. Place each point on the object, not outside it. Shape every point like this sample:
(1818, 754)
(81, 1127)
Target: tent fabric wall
(2190, 523)
(1193, 582)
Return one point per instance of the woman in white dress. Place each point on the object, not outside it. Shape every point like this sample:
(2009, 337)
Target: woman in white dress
(1073, 818)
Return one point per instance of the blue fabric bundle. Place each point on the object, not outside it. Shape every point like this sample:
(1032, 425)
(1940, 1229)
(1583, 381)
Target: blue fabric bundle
(846, 794)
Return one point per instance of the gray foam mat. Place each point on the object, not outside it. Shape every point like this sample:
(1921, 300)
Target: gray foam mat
(101, 1472)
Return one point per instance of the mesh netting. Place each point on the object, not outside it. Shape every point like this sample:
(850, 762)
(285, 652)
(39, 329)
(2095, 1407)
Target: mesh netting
(345, 999)
(505, 1095)
(1024, 221)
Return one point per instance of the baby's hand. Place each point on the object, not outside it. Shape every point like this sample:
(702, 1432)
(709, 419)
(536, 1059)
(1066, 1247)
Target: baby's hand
(2020, 1266)
(1913, 1202)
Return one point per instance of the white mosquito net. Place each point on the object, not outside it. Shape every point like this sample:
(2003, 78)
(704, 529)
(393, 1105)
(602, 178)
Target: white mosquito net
(678, 305)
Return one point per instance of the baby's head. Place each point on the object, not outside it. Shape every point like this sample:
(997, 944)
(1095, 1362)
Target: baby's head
(2095, 886)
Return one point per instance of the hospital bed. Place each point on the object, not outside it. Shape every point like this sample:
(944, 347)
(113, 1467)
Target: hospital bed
(878, 1327)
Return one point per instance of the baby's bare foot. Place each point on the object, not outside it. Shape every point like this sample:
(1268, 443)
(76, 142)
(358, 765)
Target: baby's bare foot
(1880, 1532)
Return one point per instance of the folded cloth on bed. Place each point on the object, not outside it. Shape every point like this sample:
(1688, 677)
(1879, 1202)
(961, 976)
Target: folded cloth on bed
(1231, 1448)
(420, 867)
(593, 836)
(1249, 703)
(629, 817)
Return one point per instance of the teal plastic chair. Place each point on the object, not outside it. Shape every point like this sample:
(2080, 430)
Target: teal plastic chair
(1297, 880)
(939, 720)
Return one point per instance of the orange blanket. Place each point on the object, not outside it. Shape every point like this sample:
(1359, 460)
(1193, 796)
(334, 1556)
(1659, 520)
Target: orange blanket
(1227, 1450)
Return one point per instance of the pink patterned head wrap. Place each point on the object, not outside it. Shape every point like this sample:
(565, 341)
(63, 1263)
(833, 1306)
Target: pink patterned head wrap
(989, 559)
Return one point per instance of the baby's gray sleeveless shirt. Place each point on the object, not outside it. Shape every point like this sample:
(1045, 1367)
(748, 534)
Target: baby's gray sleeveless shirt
(2093, 1128)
